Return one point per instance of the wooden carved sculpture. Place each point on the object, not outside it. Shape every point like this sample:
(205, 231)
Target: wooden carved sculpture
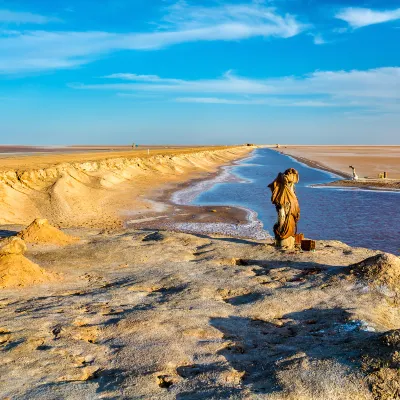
(287, 206)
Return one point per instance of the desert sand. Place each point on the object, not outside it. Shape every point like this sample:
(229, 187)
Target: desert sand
(99, 310)
(369, 161)
(99, 189)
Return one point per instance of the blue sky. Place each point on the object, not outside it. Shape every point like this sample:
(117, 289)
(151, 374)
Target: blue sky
(160, 71)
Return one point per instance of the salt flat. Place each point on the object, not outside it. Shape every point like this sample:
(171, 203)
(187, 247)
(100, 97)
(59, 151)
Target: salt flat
(369, 161)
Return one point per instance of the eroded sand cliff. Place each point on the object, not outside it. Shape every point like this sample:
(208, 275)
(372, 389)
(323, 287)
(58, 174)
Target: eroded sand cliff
(98, 192)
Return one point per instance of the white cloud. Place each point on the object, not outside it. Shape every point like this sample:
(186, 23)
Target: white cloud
(270, 101)
(142, 78)
(375, 88)
(181, 24)
(359, 17)
(234, 20)
(41, 50)
(215, 100)
(380, 82)
(13, 17)
(318, 39)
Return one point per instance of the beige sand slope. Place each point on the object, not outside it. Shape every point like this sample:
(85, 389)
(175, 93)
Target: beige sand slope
(94, 189)
(369, 161)
(40, 231)
(16, 270)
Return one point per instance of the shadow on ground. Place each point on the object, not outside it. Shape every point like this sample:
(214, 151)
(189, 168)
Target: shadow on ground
(259, 348)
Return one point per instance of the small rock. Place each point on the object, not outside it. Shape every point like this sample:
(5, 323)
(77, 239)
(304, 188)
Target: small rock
(56, 331)
(155, 236)
(4, 339)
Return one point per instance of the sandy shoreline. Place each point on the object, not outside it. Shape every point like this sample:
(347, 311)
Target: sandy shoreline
(346, 182)
(95, 190)
(369, 161)
(177, 214)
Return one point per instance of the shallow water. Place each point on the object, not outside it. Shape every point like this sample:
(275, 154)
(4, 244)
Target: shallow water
(357, 217)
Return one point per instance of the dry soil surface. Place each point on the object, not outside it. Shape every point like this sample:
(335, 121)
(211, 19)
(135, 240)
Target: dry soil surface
(158, 315)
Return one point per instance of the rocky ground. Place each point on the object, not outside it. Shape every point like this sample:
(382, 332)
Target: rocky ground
(139, 314)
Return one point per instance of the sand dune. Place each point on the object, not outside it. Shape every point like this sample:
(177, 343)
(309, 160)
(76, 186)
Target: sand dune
(93, 189)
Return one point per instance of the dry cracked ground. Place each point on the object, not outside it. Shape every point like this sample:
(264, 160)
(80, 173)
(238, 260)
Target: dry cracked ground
(163, 315)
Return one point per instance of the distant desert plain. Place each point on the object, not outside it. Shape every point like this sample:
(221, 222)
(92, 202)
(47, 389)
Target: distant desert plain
(369, 161)
(91, 308)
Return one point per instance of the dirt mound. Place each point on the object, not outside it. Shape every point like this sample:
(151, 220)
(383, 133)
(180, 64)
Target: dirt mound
(12, 245)
(382, 269)
(40, 231)
(15, 269)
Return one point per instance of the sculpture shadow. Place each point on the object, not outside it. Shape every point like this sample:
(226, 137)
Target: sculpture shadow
(295, 272)
(204, 236)
(259, 347)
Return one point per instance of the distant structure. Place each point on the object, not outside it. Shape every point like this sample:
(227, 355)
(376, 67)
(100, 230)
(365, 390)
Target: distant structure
(287, 206)
(278, 146)
(383, 175)
(355, 176)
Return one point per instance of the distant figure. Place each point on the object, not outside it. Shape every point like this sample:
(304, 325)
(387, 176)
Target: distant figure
(355, 176)
(287, 206)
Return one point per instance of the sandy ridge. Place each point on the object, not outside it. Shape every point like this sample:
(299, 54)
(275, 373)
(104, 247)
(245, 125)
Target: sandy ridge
(95, 192)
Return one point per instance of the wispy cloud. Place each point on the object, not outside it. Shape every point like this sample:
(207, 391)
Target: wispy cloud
(360, 17)
(374, 88)
(142, 78)
(180, 24)
(270, 101)
(317, 38)
(380, 82)
(234, 21)
(15, 17)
